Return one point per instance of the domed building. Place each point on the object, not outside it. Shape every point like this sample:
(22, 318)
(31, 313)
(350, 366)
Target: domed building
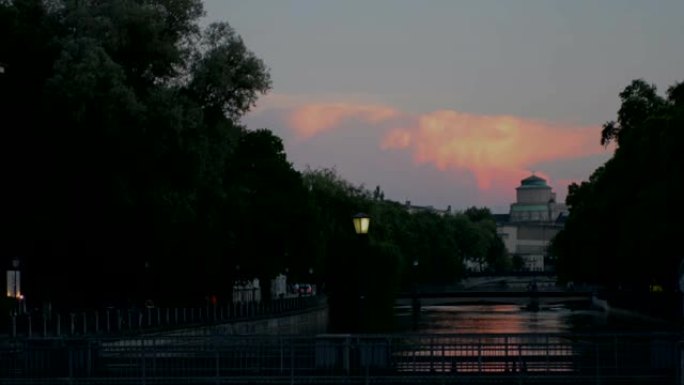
(535, 202)
(534, 219)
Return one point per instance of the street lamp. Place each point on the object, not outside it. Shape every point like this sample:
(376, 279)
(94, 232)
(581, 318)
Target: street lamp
(361, 223)
(415, 302)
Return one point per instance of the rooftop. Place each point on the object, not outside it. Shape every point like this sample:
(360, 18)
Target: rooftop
(533, 181)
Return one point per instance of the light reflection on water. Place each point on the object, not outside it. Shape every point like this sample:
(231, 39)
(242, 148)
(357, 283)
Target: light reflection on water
(514, 318)
(481, 338)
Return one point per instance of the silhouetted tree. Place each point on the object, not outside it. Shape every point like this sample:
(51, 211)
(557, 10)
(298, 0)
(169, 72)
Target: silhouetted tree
(625, 219)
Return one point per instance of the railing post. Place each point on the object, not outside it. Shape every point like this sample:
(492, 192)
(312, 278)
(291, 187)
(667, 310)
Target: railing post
(432, 354)
(548, 359)
(506, 354)
(70, 353)
(282, 355)
(479, 355)
(292, 361)
(73, 323)
(615, 352)
(59, 325)
(598, 370)
(89, 362)
(680, 368)
(85, 324)
(97, 322)
(44, 326)
(346, 348)
(218, 366)
(108, 324)
(143, 363)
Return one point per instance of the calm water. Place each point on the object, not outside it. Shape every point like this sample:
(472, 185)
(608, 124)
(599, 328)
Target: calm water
(511, 318)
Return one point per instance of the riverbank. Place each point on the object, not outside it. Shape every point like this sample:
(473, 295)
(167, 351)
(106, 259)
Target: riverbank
(656, 308)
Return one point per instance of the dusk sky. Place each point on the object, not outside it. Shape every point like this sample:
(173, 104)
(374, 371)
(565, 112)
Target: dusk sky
(452, 102)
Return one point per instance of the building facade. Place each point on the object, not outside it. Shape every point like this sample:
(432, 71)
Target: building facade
(534, 219)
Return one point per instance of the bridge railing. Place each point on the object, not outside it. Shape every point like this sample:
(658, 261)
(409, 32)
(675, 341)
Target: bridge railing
(420, 358)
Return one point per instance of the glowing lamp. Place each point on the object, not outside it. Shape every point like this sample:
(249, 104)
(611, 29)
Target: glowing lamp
(361, 223)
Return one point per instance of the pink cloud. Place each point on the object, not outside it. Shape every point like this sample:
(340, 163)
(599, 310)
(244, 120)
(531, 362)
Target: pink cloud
(313, 119)
(496, 149)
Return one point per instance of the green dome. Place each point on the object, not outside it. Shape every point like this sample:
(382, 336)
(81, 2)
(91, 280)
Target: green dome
(533, 181)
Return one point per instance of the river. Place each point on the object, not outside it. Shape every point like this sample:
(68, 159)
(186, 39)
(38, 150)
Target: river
(559, 317)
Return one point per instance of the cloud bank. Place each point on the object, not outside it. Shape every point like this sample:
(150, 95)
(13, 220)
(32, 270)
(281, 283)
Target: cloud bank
(498, 150)
(313, 119)
(438, 157)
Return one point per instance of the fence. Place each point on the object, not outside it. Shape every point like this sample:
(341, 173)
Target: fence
(474, 358)
(129, 321)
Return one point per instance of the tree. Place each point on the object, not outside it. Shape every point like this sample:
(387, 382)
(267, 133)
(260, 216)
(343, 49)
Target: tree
(125, 115)
(623, 221)
(272, 206)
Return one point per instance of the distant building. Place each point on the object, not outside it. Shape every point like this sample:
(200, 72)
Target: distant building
(534, 219)
(426, 209)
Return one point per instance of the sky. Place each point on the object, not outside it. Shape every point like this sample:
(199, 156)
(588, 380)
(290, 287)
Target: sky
(448, 102)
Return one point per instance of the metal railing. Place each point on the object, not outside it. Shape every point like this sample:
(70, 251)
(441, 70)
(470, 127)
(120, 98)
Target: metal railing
(472, 358)
(150, 319)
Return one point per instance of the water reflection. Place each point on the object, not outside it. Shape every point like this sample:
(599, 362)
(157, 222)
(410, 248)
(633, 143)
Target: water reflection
(515, 318)
(506, 338)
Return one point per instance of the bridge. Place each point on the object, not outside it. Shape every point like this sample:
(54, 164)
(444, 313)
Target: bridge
(508, 297)
(518, 288)
(647, 358)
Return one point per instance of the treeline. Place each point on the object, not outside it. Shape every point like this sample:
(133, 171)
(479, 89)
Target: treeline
(625, 221)
(377, 267)
(127, 174)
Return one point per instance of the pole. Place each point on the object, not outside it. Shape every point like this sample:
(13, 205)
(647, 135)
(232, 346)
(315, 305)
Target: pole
(415, 302)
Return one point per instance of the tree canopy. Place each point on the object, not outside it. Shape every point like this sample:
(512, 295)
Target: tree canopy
(624, 221)
(120, 138)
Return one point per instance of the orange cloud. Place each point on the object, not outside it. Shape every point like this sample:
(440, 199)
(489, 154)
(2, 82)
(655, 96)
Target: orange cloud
(497, 149)
(313, 119)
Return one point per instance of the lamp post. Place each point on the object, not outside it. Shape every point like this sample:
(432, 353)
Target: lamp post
(361, 226)
(415, 302)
